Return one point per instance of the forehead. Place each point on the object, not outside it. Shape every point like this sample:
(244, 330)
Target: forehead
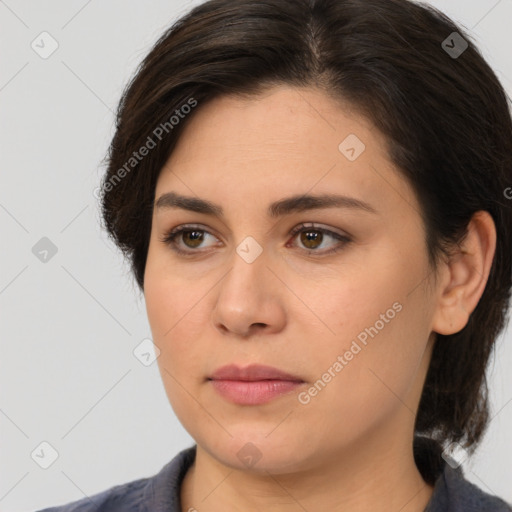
(299, 121)
(286, 140)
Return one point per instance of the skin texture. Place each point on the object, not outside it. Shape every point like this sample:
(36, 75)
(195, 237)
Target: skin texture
(350, 447)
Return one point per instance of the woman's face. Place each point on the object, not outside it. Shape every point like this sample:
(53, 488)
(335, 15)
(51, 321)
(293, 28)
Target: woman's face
(351, 318)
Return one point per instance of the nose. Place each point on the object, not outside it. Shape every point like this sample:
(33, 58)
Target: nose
(250, 299)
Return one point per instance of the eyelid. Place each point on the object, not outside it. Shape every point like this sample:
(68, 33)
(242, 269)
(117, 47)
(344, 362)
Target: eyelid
(170, 235)
(343, 239)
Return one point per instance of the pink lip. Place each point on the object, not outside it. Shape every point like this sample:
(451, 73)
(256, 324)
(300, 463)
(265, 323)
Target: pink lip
(251, 373)
(253, 385)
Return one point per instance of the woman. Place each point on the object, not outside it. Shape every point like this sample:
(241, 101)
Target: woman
(313, 198)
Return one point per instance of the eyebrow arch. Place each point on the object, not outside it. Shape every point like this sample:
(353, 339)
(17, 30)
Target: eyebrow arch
(298, 203)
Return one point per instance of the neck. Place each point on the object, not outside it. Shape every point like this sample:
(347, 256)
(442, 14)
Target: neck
(349, 479)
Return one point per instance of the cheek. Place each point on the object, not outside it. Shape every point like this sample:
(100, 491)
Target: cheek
(168, 296)
(174, 328)
(365, 374)
(174, 313)
(352, 298)
(376, 325)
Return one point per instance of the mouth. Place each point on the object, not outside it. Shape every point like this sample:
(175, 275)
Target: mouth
(255, 372)
(253, 385)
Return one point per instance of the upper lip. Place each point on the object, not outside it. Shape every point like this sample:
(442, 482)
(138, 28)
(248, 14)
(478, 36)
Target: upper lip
(252, 373)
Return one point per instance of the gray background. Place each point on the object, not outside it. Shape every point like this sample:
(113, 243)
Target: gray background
(68, 375)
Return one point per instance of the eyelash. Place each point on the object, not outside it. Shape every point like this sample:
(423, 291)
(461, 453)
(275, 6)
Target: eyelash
(169, 238)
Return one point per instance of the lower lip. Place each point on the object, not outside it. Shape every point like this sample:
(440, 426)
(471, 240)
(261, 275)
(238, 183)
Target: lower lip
(253, 392)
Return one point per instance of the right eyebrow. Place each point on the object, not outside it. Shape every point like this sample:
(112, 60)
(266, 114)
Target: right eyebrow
(286, 206)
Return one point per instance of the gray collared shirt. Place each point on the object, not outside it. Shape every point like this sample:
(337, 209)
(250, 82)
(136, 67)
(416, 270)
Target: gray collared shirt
(161, 493)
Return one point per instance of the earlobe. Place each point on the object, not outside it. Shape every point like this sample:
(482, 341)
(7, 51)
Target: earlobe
(465, 276)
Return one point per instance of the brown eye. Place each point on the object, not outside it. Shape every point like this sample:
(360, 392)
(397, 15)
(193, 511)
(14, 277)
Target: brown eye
(310, 238)
(190, 237)
(194, 237)
(186, 239)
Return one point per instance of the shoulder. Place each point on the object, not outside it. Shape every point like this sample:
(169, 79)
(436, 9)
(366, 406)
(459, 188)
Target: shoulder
(454, 493)
(124, 497)
(144, 494)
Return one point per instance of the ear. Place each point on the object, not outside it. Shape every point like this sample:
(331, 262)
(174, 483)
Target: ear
(465, 275)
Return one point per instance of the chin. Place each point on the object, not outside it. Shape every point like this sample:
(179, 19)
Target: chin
(259, 452)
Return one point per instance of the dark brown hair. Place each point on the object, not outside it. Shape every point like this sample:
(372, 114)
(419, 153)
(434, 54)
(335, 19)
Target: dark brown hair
(445, 118)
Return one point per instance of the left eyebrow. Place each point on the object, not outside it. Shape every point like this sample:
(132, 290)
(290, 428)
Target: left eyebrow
(287, 206)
